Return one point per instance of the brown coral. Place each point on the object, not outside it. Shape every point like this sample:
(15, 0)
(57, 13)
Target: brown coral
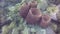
(33, 16)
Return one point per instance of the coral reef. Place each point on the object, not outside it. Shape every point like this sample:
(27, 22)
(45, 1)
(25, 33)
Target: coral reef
(29, 17)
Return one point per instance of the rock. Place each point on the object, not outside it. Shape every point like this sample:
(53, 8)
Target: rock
(49, 31)
(58, 29)
(53, 26)
(58, 16)
(56, 2)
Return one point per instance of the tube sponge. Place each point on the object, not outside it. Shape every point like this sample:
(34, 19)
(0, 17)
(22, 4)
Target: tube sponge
(33, 15)
(24, 10)
(45, 21)
(26, 7)
(33, 4)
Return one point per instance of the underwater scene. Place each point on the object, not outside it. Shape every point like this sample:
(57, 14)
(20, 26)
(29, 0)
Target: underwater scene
(29, 16)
